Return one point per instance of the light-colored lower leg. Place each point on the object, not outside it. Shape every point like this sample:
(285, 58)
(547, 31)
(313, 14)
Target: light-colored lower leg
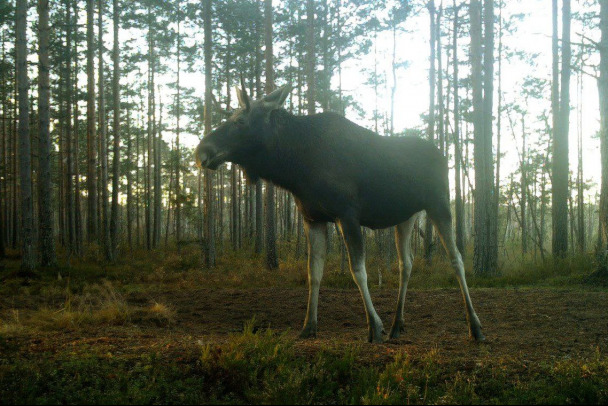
(317, 249)
(356, 256)
(403, 240)
(447, 236)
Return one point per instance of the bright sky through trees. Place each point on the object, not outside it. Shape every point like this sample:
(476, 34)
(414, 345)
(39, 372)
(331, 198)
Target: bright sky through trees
(527, 55)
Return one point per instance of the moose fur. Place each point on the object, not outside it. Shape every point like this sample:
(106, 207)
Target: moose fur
(341, 172)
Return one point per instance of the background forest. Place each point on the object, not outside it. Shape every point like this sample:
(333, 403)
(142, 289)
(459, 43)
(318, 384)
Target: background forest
(127, 275)
(102, 103)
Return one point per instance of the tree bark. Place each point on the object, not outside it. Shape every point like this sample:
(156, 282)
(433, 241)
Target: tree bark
(45, 200)
(28, 262)
(603, 98)
(92, 231)
(76, 153)
(117, 132)
(310, 60)
(272, 259)
(210, 258)
(561, 120)
(491, 248)
(178, 203)
(428, 229)
(482, 262)
(105, 227)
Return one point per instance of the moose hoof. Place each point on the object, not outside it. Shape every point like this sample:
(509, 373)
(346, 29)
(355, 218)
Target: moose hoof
(477, 335)
(309, 331)
(475, 330)
(397, 329)
(375, 334)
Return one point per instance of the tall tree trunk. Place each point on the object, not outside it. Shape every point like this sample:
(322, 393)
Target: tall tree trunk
(210, 258)
(310, 60)
(92, 231)
(28, 262)
(105, 226)
(45, 204)
(157, 129)
(603, 97)
(76, 153)
(491, 248)
(178, 192)
(481, 254)
(116, 157)
(272, 259)
(524, 189)
(498, 127)
(259, 203)
(4, 140)
(459, 204)
(129, 168)
(150, 134)
(16, 132)
(69, 142)
(560, 138)
(428, 229)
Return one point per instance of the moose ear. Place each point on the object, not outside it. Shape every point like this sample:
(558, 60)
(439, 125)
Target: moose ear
(243, 97)
(277, 98)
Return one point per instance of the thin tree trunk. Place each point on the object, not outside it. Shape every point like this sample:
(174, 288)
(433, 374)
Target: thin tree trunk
(498, 127)
(76, 154)
(560, 142)
(157, 130)
(129, 164)
(428, 229)
(459, 204)
(105, 226)
(210, 258)
(178, 203)
(28, 262)
(603, 99)
(259, 204)
(524, 188)
(116, 157)
(45, 205)
(92, 230)
(69, 142)
(272, 259)
(491, 264)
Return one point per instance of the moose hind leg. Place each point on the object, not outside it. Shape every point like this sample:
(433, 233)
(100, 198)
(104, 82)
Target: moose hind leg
(351, 232)
(317, 248)
(446, 232)
(403, 240)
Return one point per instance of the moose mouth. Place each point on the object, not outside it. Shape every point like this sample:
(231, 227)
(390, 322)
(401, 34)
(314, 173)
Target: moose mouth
(212, 162)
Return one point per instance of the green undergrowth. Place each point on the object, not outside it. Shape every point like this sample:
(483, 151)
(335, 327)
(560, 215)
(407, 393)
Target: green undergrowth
(90, 292)
(168, 269)
(263, 367)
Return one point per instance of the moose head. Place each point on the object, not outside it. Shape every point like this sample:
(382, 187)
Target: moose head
(243, 135)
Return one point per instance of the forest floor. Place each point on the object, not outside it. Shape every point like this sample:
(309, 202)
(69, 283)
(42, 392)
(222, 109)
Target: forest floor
(157, 341)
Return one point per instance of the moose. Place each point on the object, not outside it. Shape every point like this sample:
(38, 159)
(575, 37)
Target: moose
(343, 173)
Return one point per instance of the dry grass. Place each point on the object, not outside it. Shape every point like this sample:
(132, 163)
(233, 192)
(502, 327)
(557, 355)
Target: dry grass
(97, 305)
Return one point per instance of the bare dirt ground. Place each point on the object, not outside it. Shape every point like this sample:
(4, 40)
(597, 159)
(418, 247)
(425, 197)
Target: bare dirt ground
(531, 325)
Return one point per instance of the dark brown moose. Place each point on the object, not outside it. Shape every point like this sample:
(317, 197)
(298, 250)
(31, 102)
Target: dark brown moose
(340, 172)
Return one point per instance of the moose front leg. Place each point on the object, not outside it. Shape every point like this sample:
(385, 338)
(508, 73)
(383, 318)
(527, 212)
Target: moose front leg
(446, 232)
(316, 234)
(403, 239)
(351, 232)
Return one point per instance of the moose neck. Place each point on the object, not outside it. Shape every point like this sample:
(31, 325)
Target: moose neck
(278, 160)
